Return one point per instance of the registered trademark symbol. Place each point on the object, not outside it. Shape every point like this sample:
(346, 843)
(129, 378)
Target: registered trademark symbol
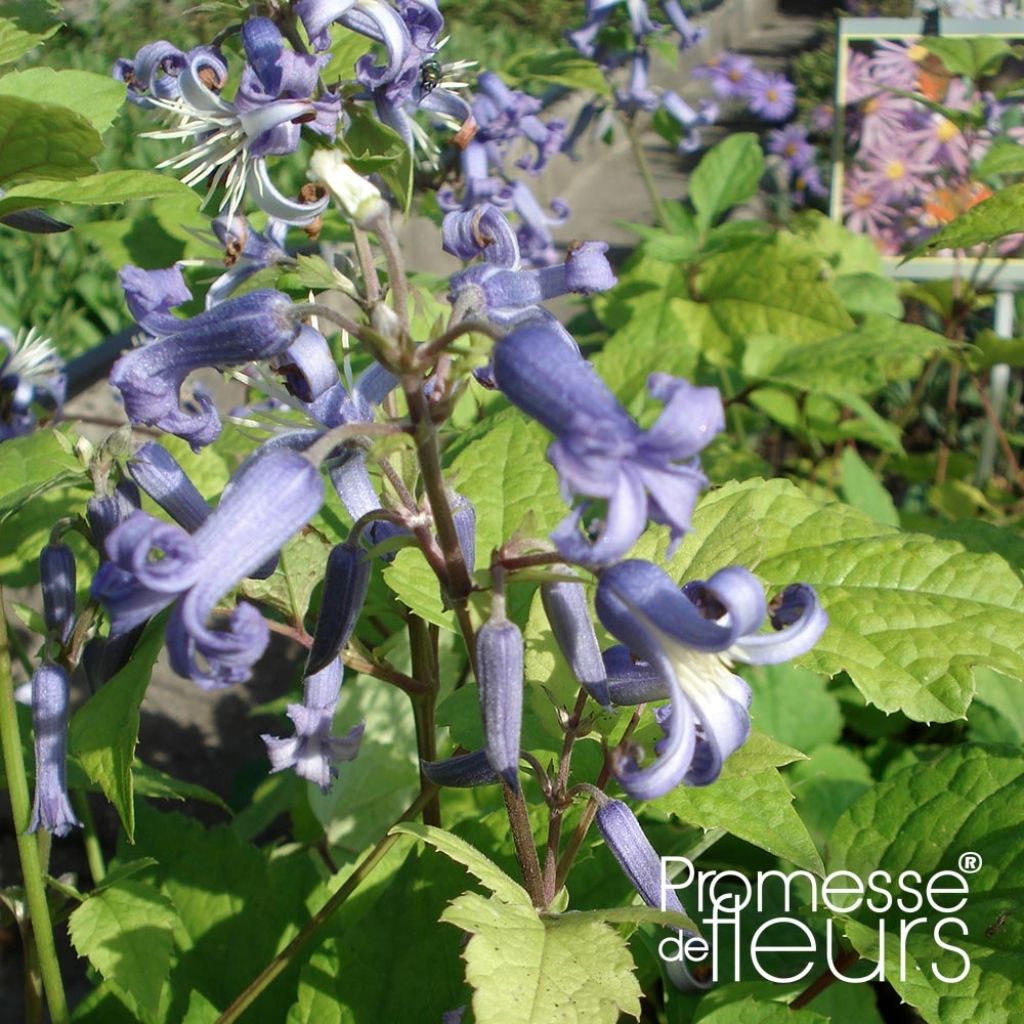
(970, 862)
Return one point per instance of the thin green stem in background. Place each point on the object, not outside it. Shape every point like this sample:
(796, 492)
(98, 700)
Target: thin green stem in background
(359, 874)
(91, 841)
(28, 850)
(640, 157)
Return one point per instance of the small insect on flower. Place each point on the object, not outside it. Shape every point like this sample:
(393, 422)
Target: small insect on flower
(430, 76)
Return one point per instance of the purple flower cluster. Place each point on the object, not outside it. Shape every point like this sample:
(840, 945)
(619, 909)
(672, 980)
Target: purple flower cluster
(506, 121)
(911, 167)
(278, 92)
(31, 373)
(768, 95)
(636, 94)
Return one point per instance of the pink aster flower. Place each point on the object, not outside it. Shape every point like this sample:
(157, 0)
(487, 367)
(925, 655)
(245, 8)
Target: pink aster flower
(884, 120)
(860, 83)
(941, 141)
(896, 64)
(897, 176)
(792, 145)
(770, 95)
(864, 210)
(727, 74)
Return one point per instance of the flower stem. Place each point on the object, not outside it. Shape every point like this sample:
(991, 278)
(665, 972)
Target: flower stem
(428, 352)
(428, 453)
(359, 874)
(28, 851)
(558, 808)
(640, 158)
(424, 669)
(91, 841)
(398, 282)
(565, 862)
(526, 846)
(823, 981)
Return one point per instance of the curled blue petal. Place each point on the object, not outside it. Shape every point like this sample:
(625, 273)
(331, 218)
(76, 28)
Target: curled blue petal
(254, 326)
(308, 365)
(483, 231)
(800, 621)
(268, 503)
(686, 639)
(152, 294)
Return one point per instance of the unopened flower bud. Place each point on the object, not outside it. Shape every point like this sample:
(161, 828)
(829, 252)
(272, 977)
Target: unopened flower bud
(565, 605)
(57, 578)
(499, 659)
(345, 584)
(359, 198)
(462, 771)
(51, 808)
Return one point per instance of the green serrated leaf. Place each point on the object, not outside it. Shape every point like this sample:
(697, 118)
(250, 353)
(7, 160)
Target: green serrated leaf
(315, 272)
(794, 706)
(23, 27)
(993, 218)
(868, 293)
(237, 908)
(638, 348)
(373, 147)
(636, 914)
(415, 585)
(909, 615)
(105, 729)
(727, 175)
(31, 465)
(97, 98)
(966, 800)
(345, 49)
(561, 67)
(40, 140)
(758, 1011)
(973, 56)
(1004, 156)
(300, 568)
(388, 966)
(774, 287)
(469, 857)
(500, 467)
(157, 785)
(825, 785)
(102, 189)
(126, 932)
(1003, 700)
(529, 970)
(751, 800)
(863, 490)
(858, 362)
